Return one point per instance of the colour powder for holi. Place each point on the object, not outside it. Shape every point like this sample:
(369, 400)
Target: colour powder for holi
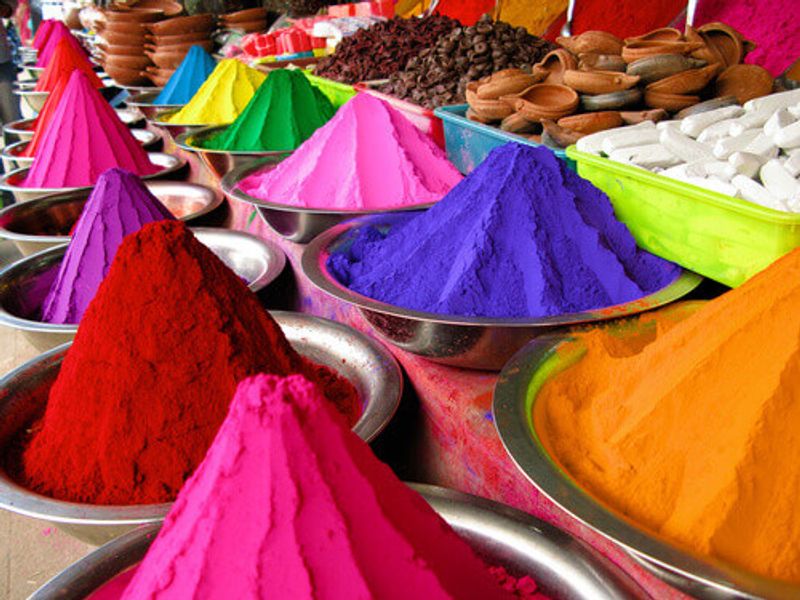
(85, 137)
(43, 33)
(66, 59)
(625, 18)
(695, 437)
(58, 33)
(187, 78)
(154, 366)
(368, 156)
(288, 503)
(118, 206)
(521, 236)
(223, 96)
(284, 112)
(42, 123)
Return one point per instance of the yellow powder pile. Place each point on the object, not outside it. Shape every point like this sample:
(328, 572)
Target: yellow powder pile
(697, 436)
(535, 17)
(222, 97)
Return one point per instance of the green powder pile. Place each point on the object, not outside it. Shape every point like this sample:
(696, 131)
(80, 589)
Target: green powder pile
(284, 112)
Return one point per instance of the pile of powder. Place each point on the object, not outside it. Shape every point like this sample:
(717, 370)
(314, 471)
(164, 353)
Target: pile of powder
(42, 123)
(368, 156)
(284, 112)
(43, 33)
(222, 97)
(66, 59)
(84, 138)
(187, 78)
(625, 18)
(289, 503)
(119, 205)
(58, 32)
(535, 18)
(152, 371)
(521, 236)
(695, 436)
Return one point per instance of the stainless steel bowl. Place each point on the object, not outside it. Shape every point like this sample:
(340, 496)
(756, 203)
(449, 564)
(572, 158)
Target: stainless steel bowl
(20, 131)
(565, 568)
(159, 119)
(131, 117)
(12, 159)
(469, 342)
(295, 223)
(46, 222)
(515, 398)
(10, 182)
(32, 71)
(136, 90)
(35, 100)
(150, 140)
(25, 283)
(365, 363)
(143, 102)
(220, 162)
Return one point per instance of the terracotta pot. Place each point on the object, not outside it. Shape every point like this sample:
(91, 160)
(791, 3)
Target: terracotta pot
(595, 42)
(153, 70)
(174, 40)
(136, 63)
(686, 82)
(143, 15)
(170, 8)
(125, 27)
(157, 80)
(181, 49)
(638, 116)
(125, 76)
(551, 68)
(728, 42)
(121, 50)
(502, 83)
(249, 26)
(125, 39)
(661, 66)
(745, 82)
(601, 62)
(178, 25)
(591, 122)
(669, 102)
(560, 136)
(638, 50)
(707, 52)
(251, 14)
(547, 101)
(668, 34)
(166, 60)
(599, 82)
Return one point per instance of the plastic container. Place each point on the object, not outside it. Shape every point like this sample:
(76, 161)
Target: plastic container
(468, 143)
(724, 238)
(338, 93)
(424, 118)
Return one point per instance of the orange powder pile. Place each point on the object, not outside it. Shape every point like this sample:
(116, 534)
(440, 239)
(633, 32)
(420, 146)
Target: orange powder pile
(697, 435)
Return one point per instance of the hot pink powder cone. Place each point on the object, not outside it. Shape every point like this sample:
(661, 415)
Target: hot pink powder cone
(289, 503)
(58, 32)
(85, 137)
(43, 33)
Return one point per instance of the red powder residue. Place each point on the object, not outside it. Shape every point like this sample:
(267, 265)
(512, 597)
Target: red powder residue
(624, 18)
(524, 588)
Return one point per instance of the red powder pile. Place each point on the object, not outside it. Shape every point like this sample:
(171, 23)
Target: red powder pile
(149, 378)
(623, 18)
(66, 59)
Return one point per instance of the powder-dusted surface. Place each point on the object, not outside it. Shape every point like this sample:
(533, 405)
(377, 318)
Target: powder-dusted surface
(289, 503)
(85, 137)
(154, 366)
(695, 437)
(66, 58)
(521, 236)
(222, 97)
(42, 123)
(187, 78)
(284, 112)
(367, 156)
(58, 32)
(119, 205)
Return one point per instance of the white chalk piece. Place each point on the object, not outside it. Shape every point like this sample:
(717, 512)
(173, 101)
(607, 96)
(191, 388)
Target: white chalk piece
(683, 146)
(746, 163)
(593, 143)
(725, 147)
(695, 124)
(778, 181)
(757, 194)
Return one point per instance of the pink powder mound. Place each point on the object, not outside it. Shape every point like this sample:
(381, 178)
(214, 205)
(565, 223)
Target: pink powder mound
(369, 156)
(58, 32)
(85, 137)
(289, 503)
(43, 33)
(773, 25)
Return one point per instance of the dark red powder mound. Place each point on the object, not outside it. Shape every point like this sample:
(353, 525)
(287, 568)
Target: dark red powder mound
(151, 373)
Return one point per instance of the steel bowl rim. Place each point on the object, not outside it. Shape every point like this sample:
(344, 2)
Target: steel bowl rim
(146, 99)
(185, 141)
(317, 251)
(6, 152)
(13, 126)
(157, 119)
(511, 410)
(230, 182)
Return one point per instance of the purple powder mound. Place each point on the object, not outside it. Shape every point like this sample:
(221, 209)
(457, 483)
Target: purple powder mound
(119, 205)
(521, 236)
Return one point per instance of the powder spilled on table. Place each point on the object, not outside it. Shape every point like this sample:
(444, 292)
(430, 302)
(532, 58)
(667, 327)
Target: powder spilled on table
(187, 78)
(118, 206)
(58, 33)
(42, 122)
(521, 236)
(369, 156)
(152, 371)
(284, 112)
(85, 137)
(695, 437)
(66, 59)
(222, 97)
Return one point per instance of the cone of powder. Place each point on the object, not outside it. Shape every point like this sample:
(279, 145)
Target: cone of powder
(288, 503)
(119, 205)
(695, 437)
(58, 33)
(521, 236)
(66, 59)
(43, 33)
(284, 112)
(222, 97)
(42, 123)
(85, 137)
(187, 78)
(148, 380)
(368, 156)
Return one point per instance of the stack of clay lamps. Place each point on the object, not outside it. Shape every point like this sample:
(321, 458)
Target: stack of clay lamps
(169, 41)
(252, 20)
(123, 34)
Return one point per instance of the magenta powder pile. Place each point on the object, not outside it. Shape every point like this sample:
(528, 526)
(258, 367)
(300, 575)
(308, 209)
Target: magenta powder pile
(119, 205)
(369, 156)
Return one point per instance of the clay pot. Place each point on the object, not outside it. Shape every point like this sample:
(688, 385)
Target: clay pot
(72, 18)
(665, 34)
(686, 82)
(547, 101)
(473, 116)
(669, 102)
(169, 7)
(745, 82)
(595, 42)
(207, 45)
(599, 82)
(516, 123)
(639, 116)
(612, 101)
(248, 26)
(166, 60)
(124, 76)
(503, 83)
(591, 122)
(157, 80)
(601, 62)
(560, 136)
(728, 42)
(121, 50)
(706, 106)
(251, 14)
(637, 50)
(655, 68)
(491, 110)
(551, 68)
(127, 62)
(125, 27)
(178, 25)
(174, 40)
(125, 39)
(142, 15)
(706, 51)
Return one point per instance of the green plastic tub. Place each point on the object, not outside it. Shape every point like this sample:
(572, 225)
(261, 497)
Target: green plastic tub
(337, 93)
(724, 238)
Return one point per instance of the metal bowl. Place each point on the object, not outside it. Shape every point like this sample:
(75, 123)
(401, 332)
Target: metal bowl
(295, 223)
(35, 100)
(32, 71)
(365, 363)
(469, 342)
(159, 119)
(221, 162)
(141, 89)
(11, 181)
(143, 102)
(150, 140)
(131, 117)
(21, 131)
(564, 567)
(25, 283)
(515, 398)
(46, 222)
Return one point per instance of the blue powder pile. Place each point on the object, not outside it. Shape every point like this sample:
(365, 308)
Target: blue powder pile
(521, 236)
(187, 78)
